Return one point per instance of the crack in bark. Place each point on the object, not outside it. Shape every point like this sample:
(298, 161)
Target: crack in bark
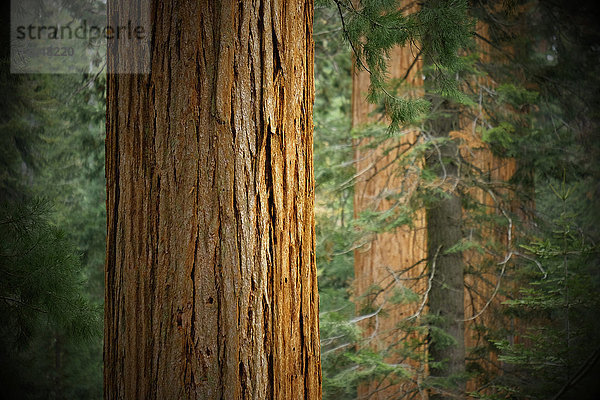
(226, 236)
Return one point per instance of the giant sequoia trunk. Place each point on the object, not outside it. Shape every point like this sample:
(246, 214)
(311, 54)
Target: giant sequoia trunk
(393, 261)
(211, 285)
(464, 317)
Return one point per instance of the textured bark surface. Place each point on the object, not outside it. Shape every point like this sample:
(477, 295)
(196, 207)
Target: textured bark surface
(211, 288)
(393, 260)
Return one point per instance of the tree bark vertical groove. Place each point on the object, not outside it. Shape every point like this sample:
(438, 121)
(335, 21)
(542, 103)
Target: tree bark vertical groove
(211, 285)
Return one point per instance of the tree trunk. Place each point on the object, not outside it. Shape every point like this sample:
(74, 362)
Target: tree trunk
(211, 288)
(393, 261)
(446, 298)
(490, 281)
(444, 223)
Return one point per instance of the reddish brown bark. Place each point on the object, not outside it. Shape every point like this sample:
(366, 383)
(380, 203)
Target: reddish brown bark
(397, 251)
(491, 277)
(393, 261)
(211, 287)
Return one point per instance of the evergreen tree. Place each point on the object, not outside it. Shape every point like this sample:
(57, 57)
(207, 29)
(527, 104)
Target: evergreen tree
(557, 339)
(51, 329)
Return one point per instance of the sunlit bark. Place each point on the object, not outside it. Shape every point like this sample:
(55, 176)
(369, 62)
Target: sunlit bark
(211, 287)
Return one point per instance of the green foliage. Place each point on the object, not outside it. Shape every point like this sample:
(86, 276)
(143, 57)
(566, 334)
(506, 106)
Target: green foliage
(51, 250)
(445, 29)
(516, 96)
(500, 138)
(439, 30)
(41, 274)
(338, 338)
(72, 173)
(465, 245)
(562, 329)
(18, 124)
(335, 233)
(333, 155)
(384, 221)
(43, 304)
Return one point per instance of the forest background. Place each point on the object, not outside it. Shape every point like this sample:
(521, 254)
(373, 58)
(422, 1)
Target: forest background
(526, 81)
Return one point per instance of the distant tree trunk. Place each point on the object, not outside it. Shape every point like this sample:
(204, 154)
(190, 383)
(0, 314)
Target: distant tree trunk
(444, 223)
(490, 281)
(393, 261)
(211, 288)
(478, 273)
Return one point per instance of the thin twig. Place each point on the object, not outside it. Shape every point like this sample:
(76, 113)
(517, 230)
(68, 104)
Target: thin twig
(429, 285)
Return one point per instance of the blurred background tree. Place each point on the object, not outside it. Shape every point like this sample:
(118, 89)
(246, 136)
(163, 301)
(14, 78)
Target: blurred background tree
(51, 228)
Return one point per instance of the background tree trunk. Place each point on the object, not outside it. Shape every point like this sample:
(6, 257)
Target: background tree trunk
(444, 230)
(211, 287)
(393, 261)
(490, 280)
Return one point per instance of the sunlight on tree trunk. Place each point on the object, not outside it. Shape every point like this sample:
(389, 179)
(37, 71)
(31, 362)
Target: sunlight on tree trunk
(211, 287)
